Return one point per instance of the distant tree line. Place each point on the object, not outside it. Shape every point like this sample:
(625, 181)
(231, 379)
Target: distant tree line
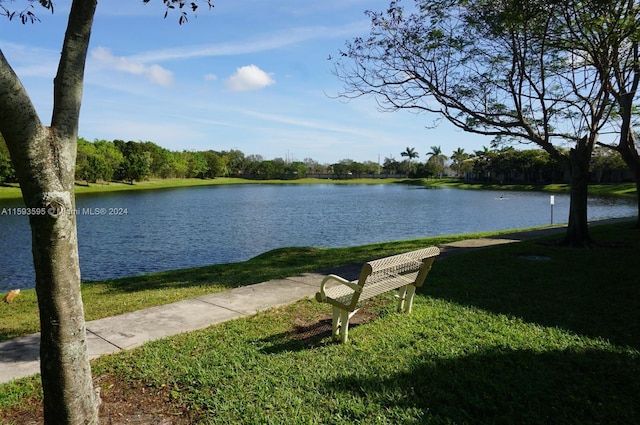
(535, 166)
(104, 161)
(7, 173)
(508, 165)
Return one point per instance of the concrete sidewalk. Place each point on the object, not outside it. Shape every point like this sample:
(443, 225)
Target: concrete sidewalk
(19, 357)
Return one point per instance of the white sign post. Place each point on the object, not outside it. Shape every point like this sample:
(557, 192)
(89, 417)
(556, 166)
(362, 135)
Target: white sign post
(552, 200)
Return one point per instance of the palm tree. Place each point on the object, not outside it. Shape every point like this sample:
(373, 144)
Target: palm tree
(410, 153)
(459, 156)
(438, 159)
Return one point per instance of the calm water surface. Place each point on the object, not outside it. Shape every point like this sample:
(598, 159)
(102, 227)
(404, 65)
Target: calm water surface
(189, 227)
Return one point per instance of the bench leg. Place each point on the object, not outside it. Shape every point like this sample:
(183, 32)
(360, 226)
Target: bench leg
(335, 332)
(402, 296)
(405, 295)
(340, 325)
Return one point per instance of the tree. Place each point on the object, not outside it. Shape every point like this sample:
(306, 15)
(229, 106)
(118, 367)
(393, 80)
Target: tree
(342, 168)
(410, 153)
(481, 164)
(7, 173)
(357, 169)
(216, 164)
(371, 167)
(313, 167)
(177, 164)
(390, 165)
(607, 33)
(111, 159)
(265, 170)
(436, 160)
(235, 161)
(459, 156)
(494, 68)
(279, 169)
(85, 152)
(529, 166)
(197, 164)
(606, 163)
(161, 165)
(44, 159)
(97, 161)
(535, 165)
(296, 170)
(137, 167)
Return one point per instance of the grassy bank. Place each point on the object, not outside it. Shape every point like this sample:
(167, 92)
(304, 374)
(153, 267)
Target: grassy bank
(12, 191)
(522, 333)
(619, 189)
(117, 296)
(623, 189)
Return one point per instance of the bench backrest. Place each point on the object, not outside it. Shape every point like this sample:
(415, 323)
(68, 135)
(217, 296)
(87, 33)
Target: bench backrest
(379, 276)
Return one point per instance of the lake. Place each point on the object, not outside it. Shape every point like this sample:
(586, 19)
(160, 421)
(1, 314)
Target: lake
(131, 233)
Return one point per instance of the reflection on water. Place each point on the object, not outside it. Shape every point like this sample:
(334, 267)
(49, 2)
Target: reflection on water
(124, 234)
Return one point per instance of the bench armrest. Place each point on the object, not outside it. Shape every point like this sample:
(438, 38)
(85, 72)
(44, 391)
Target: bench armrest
(322, 296)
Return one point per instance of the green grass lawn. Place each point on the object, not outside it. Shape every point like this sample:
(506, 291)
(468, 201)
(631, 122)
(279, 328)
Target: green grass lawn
(623, 189)
(118, 296)
(524, 333)
(619, 189)
(12, 191)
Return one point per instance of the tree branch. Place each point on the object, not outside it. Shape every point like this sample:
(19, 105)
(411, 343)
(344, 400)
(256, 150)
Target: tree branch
(67, 90)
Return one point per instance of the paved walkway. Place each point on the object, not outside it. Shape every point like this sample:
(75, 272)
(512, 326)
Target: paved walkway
(19, 357)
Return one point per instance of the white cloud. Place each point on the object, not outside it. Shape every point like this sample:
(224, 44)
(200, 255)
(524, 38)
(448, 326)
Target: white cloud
(260, 43)
(158, 75)
(153, 73)
(210, 77)
(323, 126)
(249, 77)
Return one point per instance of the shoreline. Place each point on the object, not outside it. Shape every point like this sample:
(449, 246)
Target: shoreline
(626, 190)
(12, 191)
(504, 307)
(122, 295)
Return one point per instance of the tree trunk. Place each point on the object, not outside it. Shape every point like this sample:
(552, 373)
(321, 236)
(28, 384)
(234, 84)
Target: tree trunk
(44, 165)
(634, 165)
(69, 396)
(578, 229)
(637, 177)
(44, 160)
(628, 151)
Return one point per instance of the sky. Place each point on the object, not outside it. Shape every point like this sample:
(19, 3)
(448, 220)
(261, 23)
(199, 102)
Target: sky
(251, 75)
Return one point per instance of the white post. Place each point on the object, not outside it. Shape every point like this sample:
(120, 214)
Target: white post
(552, 201)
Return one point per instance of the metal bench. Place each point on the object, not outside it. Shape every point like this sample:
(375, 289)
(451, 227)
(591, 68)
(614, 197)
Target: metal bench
(404, 272)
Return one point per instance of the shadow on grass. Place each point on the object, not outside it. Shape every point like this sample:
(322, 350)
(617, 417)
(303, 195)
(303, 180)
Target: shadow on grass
(299, 338)
(276, 264)
(311, 325)
(592, 292)
(316, 334)
(508, 387)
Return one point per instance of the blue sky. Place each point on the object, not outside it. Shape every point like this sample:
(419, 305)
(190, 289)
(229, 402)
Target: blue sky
(252, 75)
